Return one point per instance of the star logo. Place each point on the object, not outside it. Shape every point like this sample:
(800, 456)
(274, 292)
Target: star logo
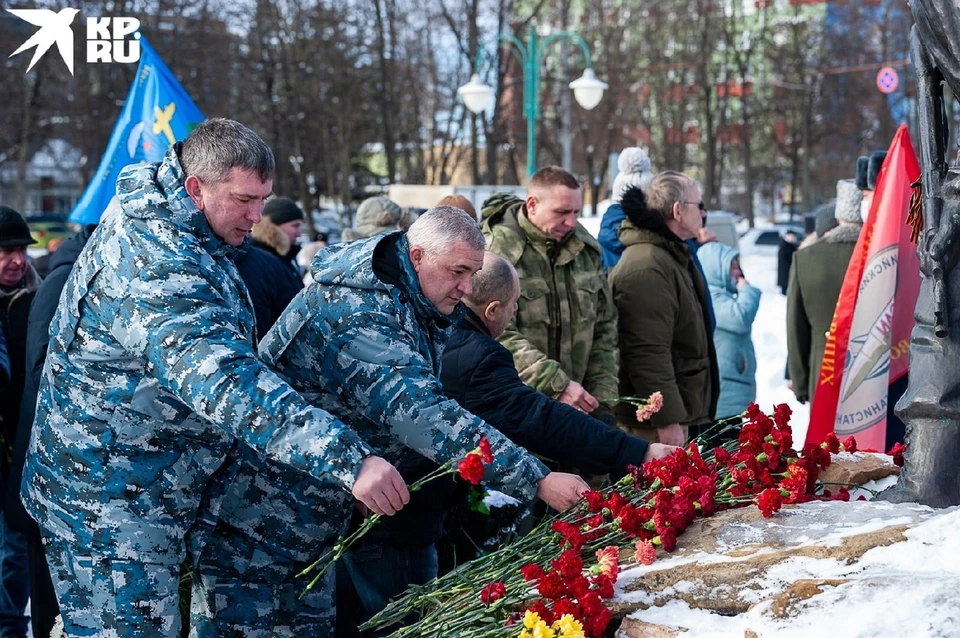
(54, 29)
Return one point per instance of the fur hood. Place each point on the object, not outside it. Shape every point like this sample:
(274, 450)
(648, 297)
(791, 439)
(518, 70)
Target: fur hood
(271, 237)
(842, 235)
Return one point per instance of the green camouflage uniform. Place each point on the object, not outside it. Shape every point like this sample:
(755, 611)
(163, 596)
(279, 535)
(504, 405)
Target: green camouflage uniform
(566, 323)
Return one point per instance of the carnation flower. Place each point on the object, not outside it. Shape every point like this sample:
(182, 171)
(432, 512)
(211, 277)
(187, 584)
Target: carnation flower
(897, 453)
(568, 627)
(532, 572)
(850, 444)
(608, 560)
(646, 553)
(604, 586)
(667, 539)
(832, 444)
(569, 564)
(486, 454)
(769, 501)
(552, 586)
(653, 405)
(471, 468)
(566, 607)
(492, 592)
(595, 500)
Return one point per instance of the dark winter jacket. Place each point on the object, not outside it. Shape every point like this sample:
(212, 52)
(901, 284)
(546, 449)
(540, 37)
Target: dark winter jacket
(4, 362)
(14, 310)
(271, 277)
(41, 313)
(784, 262)
(479, 373)
(665, 341)
(612, 248)
(815, 282)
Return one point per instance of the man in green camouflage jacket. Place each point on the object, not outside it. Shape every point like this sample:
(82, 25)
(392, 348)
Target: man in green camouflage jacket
(564, 335)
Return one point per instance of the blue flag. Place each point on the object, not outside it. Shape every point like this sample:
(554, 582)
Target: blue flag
(156, 114)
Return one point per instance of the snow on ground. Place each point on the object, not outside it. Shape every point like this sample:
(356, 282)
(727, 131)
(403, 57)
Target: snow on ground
(907, 587)
(769, 337)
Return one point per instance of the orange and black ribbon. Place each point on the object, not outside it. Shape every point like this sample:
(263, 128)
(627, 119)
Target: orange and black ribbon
(915, 216)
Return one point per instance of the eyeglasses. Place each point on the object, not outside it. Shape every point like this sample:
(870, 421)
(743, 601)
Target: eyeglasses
(700, 205)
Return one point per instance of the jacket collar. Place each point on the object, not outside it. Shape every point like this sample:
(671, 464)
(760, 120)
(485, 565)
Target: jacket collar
(562, 252)
(158, 191)
(472, 321)
(631, 235)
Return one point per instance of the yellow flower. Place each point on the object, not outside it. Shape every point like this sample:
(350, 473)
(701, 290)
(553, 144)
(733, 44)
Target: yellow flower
(568, 627)
(538, 628)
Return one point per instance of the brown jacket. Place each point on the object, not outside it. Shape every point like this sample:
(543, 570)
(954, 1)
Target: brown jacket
(665, 340)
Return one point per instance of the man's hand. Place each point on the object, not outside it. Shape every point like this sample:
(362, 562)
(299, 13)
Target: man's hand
(380, 487)
(705, 236)
(742, 281)
(671, 434)
(575, 396)
(658, 451)
(560, 490)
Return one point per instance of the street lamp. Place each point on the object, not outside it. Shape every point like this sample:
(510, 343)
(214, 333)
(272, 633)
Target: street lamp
(587, 89)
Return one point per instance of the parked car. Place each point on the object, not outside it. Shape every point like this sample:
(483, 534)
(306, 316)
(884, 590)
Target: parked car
(724, 226)
(766, 241)
(44, 228)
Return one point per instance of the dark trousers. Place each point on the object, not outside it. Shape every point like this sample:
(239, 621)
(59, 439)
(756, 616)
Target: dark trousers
(14, 582)
(373, 573)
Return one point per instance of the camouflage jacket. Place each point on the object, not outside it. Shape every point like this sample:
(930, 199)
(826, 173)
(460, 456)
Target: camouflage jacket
(566, 323)
(150, 374)
(374, 350)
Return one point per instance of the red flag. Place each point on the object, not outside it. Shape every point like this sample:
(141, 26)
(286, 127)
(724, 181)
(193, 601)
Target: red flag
(870, 333)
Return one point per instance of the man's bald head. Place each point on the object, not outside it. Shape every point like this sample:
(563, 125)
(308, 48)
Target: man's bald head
(461, 202)
(496, 289)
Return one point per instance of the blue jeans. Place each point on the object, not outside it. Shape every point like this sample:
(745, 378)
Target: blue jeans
(14, 582)
(380, 571)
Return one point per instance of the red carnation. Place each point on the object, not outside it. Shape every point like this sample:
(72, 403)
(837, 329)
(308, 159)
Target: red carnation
(486, 454)
(540, 608)
(595, 500)
(782, 414)
(843, 494)
(570, 533)
(604, 585)
(850, 444)
(569, 564)
(552, 586)
(667, 539)
(579, 586)
(769, 501)
(471, 468)
(721, 456)
(897, 453)
(563, 607)
(532, 572)
(596, 626)
(832, 443)
(492, 592)
(591, 604)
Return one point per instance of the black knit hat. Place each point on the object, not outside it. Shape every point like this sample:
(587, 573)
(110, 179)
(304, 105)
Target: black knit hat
(281, 210)
(13, 229)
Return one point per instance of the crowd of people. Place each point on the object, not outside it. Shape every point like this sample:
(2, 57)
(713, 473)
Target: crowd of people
(180, 394)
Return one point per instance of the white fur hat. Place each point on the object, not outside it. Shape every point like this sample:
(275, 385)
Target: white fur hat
(849, 198)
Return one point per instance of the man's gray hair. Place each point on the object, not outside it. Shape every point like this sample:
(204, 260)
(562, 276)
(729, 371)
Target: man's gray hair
(494, 282)
(440, 227)
(218, 145)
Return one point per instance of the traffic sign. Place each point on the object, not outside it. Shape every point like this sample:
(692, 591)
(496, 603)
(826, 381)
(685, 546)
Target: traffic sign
(887, 80)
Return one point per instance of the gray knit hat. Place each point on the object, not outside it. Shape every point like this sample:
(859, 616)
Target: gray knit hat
(849, 198)
(634, 172)
(376, 215)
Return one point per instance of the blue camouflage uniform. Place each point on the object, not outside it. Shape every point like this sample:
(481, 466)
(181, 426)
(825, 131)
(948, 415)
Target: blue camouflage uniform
(150, 378)
(369, 353)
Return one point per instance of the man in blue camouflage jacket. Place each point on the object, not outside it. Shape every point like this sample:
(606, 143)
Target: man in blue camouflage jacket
(150, 381)
(364, 341)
